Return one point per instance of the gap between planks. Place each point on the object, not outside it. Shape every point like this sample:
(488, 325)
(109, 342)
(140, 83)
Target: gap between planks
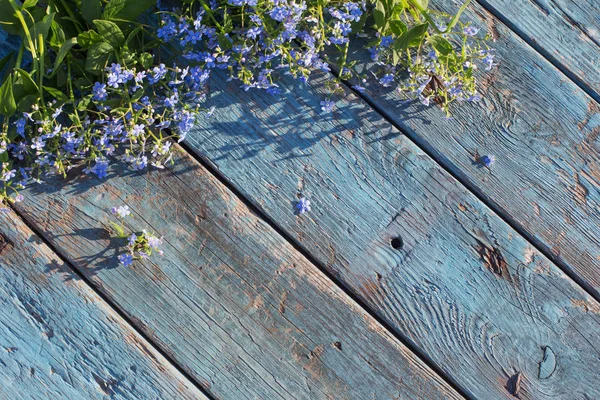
(501, 212)
(112, 305)
(473, 189)
(213, 170)
(582, 84)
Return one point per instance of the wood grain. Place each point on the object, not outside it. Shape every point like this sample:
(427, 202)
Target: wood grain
(59, 340)
(238, 308)
(565, 31)
(542, 129)
(475, 297)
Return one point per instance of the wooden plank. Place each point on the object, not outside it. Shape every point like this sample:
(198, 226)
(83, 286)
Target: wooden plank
(475, 297)
(59, 340)
(542, 129)
(238, 308)
(565, 31)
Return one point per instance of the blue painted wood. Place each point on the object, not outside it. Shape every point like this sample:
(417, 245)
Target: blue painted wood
(59, 340)
(567, 32)
(473, 295)
(542, 129)
(231, 301)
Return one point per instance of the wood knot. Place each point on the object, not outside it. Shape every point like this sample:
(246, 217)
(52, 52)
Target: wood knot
(494, 261)
(4, 244)
(548, 363)
(514, 384)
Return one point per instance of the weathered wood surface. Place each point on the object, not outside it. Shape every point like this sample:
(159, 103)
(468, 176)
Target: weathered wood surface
(565, 31)
(543, 130)
(231, 301)
(59, 340)
(467, 290)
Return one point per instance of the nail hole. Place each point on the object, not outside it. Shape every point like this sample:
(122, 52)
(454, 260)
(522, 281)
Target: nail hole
(397, 243)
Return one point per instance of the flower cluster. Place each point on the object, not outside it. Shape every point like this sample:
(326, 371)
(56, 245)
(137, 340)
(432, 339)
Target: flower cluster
(139, 246)
(270, 38)
(132, 117)
(125, 92)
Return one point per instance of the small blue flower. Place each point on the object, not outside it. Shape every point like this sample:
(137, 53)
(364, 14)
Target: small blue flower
(99, 91)
(99, 169)
(386, 80)
(488, 160)
(386, 41)
(327, 106)
(132, 239)
(121, 211)
(470, 31)
(126, 259)
(302, 206)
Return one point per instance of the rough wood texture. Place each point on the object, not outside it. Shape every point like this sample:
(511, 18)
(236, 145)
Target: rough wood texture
(566, 31)
(543, 131)
(231, 301)
(473, 295)
(59, 340)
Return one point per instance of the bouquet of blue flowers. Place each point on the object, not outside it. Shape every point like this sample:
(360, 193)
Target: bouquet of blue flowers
(101, 80)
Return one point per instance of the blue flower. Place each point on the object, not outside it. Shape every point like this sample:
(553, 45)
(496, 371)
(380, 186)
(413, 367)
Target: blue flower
(99, 91)
(489, 61)
(386, 41)
(488, 160)
(132, 239)
(99, 169)
(386, 80)
(302, 206)
(20, 125)
(8, 175)
(121, 211)
(126, 259)
(327, 106)
(470, 31)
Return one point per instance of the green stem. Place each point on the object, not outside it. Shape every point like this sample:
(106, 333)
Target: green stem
(424, 13)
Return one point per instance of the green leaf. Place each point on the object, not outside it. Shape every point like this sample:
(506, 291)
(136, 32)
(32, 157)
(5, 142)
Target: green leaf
(88, 38)
(64, 49)
(57, 36)
(29, 3)
(8, 19)
(27, 102)
(133, 34)
(98, 55)
(224, 41)
(146, 60)
(43, 27)
(7, 99)
(126, 9)
(91, 10)
(422, 3)
(110, 32)
(411, 38)
(29, 85)
(379, 15)
(5, 60)
(398, 27)
(57, 94)
(84, 103)
(440, 44)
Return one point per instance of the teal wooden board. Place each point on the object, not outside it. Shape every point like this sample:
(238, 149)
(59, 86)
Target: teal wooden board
(231, 301)
(543, 130)
(474, 297)
(59, 340)
(567, 32)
